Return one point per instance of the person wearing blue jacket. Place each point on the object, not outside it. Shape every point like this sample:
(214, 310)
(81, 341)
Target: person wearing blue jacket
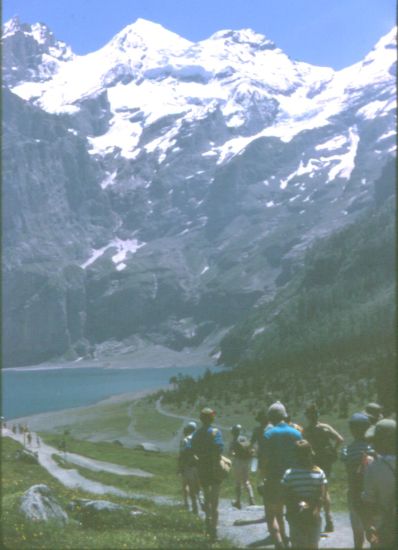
(208, 445)
(278, 453)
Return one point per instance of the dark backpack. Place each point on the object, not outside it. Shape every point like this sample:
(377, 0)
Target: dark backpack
(386, 531)
(242, 447)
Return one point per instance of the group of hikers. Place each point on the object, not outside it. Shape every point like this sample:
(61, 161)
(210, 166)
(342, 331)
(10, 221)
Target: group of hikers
(294, 465)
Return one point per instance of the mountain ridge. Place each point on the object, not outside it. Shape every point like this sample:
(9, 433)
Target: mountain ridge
(190, 184)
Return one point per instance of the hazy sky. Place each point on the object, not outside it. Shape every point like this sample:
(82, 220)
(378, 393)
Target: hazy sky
(334, 33)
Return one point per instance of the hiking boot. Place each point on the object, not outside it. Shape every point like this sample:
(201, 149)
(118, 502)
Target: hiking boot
(329, 526)
(237, 505)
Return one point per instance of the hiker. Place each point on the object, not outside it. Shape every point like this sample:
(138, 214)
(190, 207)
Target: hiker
(37, 440)
(356, 457)
(207, 445)
(324, 441)
(303, 491)
(241, 453)
(277, 452)
(374, 412)
(29, 438)
(379, 486)
(187, 468)
(255, 441)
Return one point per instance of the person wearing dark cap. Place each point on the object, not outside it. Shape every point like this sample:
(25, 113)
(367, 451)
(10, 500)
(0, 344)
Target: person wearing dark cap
(379, 487)
(207, 445)
(325, 441)
(277, 451)
(356, 457)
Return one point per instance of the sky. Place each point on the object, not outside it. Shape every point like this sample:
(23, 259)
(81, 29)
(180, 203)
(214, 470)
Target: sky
(333, 33)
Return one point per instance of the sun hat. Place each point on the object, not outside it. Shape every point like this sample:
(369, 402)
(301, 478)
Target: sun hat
(383, 429)
(277, 409)
(207, 413)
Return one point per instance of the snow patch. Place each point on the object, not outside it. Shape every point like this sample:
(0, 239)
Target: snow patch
(346, 162)
(331, 144)
(109, 180)
(258, 331)
(123, 248)
(376, 109)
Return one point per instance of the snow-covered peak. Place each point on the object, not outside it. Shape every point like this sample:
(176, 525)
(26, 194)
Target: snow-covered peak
(144, 33)
(244, 36)
(11, 26)
(38, 31)
(388, 41)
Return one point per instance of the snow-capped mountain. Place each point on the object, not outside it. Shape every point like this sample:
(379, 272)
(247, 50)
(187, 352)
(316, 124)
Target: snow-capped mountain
(178, 181)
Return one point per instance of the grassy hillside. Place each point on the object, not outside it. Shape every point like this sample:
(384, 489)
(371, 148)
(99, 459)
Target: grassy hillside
(171, 527)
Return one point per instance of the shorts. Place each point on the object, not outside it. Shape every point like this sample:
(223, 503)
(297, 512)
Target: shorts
(190, 474)
(208, 476)
(272, 493)
(241, 468)
(305, 536)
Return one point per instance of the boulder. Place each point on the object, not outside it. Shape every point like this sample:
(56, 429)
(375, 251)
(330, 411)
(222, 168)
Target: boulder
(38, 504)
(102, 506)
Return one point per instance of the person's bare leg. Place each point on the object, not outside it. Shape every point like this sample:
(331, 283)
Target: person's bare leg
(193, 494)
(249, 489)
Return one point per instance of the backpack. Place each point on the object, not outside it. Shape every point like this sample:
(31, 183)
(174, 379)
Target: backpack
(386, 532)
(242, 447)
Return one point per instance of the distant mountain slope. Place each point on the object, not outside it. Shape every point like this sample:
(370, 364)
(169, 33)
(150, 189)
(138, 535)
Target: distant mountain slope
(340, 302)
(329, 334)
(180, 183)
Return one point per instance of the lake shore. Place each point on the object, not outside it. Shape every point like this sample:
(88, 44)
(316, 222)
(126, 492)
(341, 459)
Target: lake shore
(156, 357)
(48, 420)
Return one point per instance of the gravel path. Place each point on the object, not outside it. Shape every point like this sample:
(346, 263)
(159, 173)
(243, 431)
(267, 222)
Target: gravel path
(252, 532)
(72, 479)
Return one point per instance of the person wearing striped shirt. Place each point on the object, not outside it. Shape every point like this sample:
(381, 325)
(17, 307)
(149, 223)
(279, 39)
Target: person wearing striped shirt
(356, 456)
(304, 490)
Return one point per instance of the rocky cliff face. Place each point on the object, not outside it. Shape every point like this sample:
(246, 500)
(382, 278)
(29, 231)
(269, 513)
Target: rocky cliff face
(159, 188)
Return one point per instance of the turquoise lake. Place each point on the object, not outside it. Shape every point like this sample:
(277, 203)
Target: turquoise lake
(27, 392)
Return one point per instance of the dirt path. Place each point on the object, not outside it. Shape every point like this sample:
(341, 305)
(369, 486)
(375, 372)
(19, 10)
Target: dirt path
(161, 410)
(252, 532)
(72, 479)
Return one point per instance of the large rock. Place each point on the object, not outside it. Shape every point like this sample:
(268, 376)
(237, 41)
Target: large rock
(103, 506)
(38, 504)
